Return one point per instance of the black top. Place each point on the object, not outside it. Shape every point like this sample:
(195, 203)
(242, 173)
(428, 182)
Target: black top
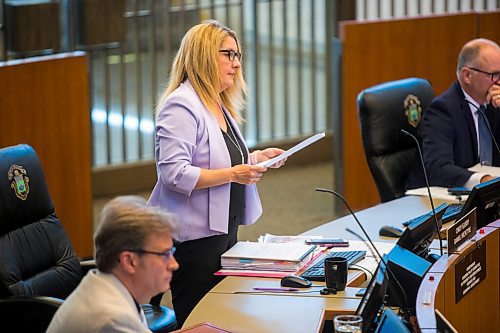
(237, 196)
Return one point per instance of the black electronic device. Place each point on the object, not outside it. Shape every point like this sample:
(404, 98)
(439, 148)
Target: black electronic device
(317, 271)
(373, 299)
(361, 292)
(452, 211)
(458, 191)
(421, 157)
(410, 268)
(295, 281)
(391, 323)
(403, 300)
(443, 207)
(331, 242)
(486, 198)
(390, 231)
(419, 235)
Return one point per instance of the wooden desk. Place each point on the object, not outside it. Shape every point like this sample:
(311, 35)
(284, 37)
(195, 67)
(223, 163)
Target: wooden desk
(244, 285)
(389, 213)
(44, 102)
(266, 313)
(478, 310)
(301, 311)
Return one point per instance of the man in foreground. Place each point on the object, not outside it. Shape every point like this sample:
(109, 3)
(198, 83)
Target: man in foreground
(134, 257)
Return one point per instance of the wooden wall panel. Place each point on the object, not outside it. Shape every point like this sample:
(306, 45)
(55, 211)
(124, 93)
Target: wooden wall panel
(44, 102)
(481, 305)
(381, 51)
(479, 309)
(488, 26)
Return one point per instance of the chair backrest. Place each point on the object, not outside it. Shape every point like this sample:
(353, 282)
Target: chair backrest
(383, 111)
(36, 255)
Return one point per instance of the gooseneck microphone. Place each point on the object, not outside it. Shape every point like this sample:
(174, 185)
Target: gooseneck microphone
(338, 195)
(393, 276)
(421, 157)
(480, 112)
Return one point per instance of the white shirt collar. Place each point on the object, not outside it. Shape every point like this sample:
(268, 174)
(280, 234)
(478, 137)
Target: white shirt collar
(471, 100)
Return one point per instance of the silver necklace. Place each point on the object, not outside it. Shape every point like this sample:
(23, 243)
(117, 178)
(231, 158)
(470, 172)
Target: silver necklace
(235, 142)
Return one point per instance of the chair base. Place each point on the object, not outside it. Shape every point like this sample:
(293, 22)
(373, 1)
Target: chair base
(160, 318)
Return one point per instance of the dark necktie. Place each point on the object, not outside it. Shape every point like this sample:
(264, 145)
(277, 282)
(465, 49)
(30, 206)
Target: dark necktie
(485, 146)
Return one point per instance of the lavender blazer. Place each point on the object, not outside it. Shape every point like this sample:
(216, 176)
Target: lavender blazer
(188, 139)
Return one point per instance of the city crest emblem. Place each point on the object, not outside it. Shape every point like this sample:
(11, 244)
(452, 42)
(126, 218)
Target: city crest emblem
(19, 181)
(413, 110)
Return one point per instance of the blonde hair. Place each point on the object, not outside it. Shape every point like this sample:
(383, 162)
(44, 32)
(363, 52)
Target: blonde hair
(196, 60)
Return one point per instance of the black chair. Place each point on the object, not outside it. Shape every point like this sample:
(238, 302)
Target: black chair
(36, 255)
(392, 156)
(28, 313)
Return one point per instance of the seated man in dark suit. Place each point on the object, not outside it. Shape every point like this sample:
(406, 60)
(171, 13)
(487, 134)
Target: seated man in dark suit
(135, 259)
(455, 136)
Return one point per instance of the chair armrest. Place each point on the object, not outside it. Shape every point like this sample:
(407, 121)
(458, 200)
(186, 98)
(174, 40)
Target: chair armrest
(87, 265)
(28, 313)
(46, 300)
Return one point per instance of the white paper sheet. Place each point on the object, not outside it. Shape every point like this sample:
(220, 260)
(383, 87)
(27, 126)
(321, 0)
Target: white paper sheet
(293, 150)
(490, 170)
(437, 193)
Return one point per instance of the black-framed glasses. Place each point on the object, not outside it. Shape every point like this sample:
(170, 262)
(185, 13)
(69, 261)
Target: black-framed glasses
(494, 76)
(232, 54)
(167, 254)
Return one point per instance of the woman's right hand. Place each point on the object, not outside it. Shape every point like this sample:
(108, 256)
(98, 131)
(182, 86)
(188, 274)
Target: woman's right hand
(247, 174)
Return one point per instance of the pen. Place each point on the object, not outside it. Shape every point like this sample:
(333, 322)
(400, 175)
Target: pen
(276, 289)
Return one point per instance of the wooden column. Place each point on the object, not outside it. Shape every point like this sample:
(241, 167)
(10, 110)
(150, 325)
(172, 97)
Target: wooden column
(44, 102)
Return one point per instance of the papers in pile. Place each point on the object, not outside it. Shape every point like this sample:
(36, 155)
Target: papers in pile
(287, 257)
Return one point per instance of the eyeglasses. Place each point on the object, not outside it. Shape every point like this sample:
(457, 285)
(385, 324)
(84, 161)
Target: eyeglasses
(231, 54)
(167, 254)
(494, 76)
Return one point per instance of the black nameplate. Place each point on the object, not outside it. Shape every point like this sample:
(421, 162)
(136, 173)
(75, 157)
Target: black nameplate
(470, 271)
(463, 230)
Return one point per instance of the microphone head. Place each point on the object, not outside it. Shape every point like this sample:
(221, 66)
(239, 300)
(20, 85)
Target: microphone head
(405, 132)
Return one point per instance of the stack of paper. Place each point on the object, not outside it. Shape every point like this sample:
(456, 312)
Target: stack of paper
(282, 257)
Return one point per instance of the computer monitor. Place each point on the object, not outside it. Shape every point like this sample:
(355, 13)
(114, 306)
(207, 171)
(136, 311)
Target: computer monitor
(407, 271)
(486, 198)
(390, 323)
(373, 300)
(419, 235)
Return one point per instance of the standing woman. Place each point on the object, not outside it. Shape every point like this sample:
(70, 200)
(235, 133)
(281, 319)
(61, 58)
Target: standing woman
(205, 173)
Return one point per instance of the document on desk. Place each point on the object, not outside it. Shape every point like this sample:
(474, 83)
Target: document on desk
(293, 150)
(267, 256)
(277, 273)
(437, 193)
(269, 238)
(490, 170)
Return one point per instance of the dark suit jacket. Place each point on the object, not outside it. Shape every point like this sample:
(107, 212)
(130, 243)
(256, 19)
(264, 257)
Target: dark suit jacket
(449, 138)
